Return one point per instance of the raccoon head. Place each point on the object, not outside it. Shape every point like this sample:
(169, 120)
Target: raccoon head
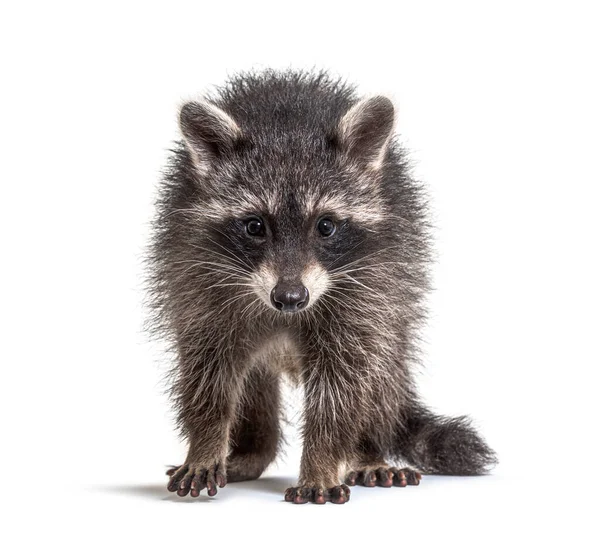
(285, 199)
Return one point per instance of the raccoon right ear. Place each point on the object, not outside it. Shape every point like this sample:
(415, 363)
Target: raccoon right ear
(208, 132)
(365, 129)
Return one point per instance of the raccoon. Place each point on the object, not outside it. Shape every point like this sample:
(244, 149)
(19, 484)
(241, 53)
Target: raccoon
(291, 240)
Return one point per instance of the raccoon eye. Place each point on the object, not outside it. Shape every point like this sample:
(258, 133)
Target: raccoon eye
(255, 227)
(326, 227)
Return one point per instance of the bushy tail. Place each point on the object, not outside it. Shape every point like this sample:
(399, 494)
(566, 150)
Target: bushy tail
(442, 445)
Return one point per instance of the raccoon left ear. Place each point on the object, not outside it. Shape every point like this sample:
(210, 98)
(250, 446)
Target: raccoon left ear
(365, 129)
(208, 131)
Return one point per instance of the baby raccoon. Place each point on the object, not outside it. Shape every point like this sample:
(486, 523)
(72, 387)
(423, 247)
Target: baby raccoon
(291, 239)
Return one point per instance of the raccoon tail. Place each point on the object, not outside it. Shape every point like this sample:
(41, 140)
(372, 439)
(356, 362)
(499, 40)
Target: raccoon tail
(442, 445)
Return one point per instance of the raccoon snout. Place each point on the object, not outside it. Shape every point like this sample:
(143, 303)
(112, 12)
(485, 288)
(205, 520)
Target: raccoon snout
(289, 296)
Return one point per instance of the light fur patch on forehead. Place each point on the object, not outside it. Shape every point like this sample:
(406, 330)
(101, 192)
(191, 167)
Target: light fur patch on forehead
(242, 205)
(363, 206)
(360, 209)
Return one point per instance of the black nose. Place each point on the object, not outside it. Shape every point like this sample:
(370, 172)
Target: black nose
(289, 296)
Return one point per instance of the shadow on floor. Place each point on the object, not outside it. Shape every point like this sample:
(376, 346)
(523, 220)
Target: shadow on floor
(271, 485)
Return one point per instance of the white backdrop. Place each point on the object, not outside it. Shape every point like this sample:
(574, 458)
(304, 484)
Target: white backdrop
(497, 103)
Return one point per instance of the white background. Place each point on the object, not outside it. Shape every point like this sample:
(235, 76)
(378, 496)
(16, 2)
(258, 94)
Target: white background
(498, 104)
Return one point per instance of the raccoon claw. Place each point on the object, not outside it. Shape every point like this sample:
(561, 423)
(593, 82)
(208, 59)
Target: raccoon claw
(192, 479)
(339, 494)
(384, 477)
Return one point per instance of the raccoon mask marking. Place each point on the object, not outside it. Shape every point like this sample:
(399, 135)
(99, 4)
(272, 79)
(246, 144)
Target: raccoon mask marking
(290, 238)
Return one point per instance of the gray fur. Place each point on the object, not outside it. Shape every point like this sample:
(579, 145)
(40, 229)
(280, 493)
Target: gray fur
(291, 147)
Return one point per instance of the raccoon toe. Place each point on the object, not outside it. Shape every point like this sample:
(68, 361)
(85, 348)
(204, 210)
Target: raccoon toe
(192, 479)
(380, 477)
(338, 494)
(406, 476)
(383, 477)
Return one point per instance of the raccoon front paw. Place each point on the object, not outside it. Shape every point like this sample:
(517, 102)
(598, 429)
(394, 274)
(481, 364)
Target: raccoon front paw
(337, 494)
(383, 477)
(193, 478)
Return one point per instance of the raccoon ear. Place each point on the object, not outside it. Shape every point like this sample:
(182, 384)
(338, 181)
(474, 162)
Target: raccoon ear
(208, 131)
(365, 129)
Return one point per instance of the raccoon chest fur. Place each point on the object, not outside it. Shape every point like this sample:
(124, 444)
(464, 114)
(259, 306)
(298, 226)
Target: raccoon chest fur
(281, 354)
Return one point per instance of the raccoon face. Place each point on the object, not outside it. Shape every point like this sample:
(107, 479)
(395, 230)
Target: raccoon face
(287, 217)
(293, 267)
(293, 287)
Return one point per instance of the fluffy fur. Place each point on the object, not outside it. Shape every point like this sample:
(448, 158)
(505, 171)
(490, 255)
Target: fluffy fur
(291, 148)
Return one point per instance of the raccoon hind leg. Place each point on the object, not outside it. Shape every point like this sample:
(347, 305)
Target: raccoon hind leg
(256, 434)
